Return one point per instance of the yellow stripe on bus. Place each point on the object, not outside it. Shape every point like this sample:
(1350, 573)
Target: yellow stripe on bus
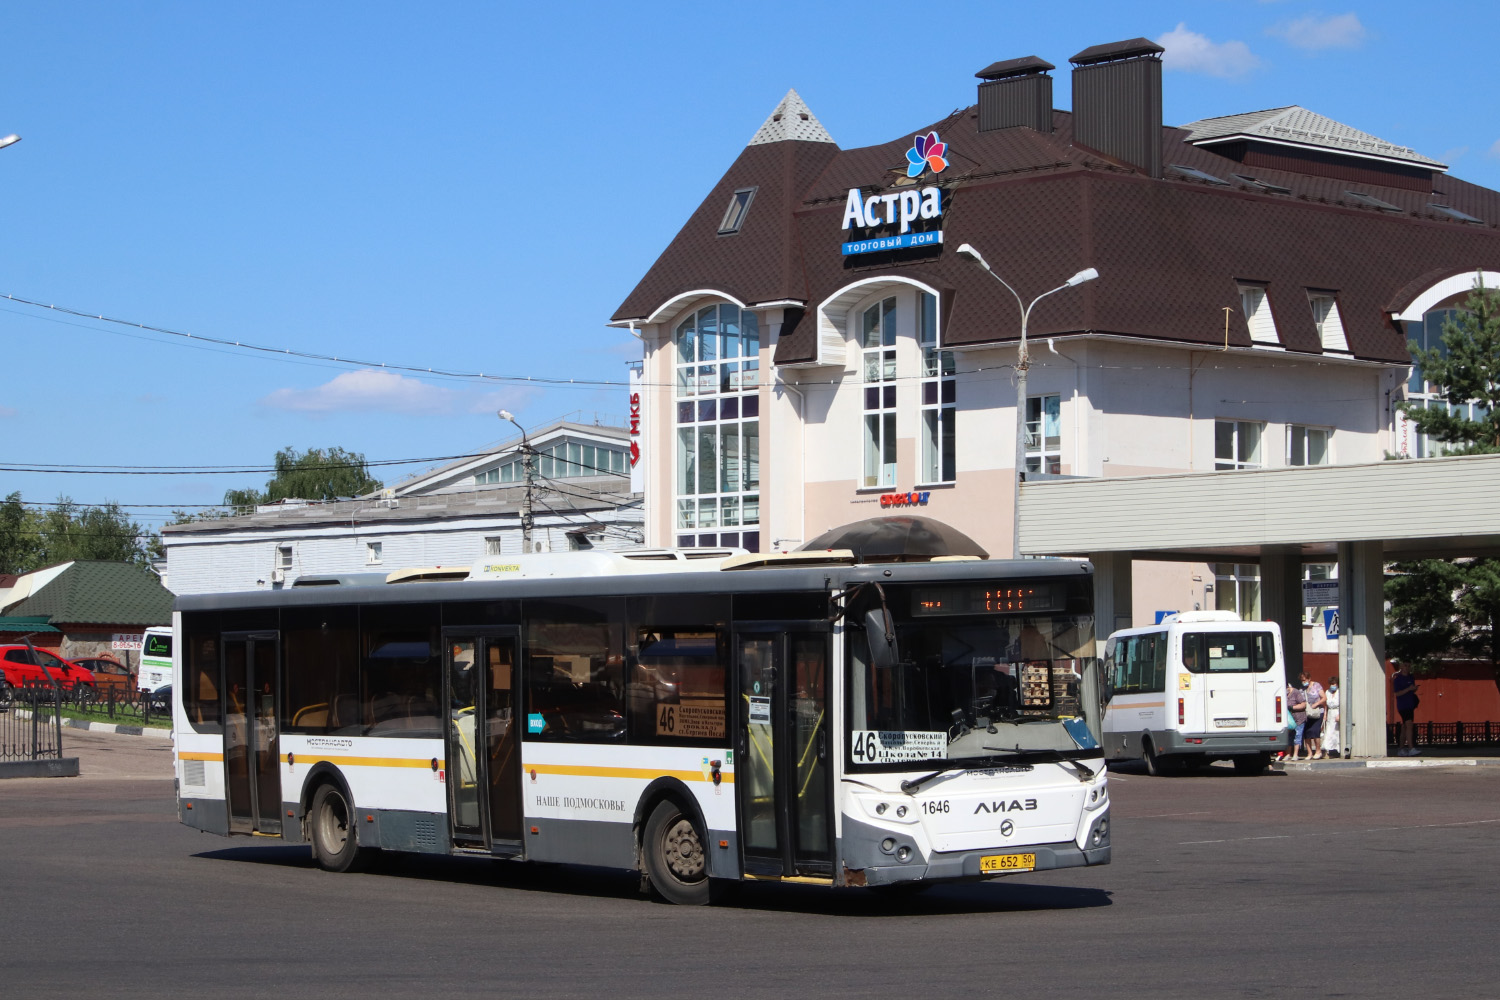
(622, 772)
(195, 755)
(362, 761)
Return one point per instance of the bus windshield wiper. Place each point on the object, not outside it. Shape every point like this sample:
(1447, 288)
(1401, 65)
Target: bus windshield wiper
(913, 784)
(1068, 760)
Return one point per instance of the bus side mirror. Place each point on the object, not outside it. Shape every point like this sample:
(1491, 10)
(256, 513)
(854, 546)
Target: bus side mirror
(884, 653)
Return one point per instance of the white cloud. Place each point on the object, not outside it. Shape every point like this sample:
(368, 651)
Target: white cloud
(1494, 151)
(370, 390)
(8, 411)
(1456, 153)
(1191, 52)
(1314, 33)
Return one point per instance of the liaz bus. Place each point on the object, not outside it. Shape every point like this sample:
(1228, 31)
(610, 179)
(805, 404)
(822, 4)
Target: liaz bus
(799, 718)
(1199, 686)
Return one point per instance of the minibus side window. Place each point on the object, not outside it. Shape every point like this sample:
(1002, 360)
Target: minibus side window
(1159, 663)
(1123, 684)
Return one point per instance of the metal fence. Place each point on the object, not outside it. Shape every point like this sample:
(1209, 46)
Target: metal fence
(30, 723)
(1448, 734)
(116, 704)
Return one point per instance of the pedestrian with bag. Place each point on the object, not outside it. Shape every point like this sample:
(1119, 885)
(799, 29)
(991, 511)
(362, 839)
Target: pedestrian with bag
(1404, 687)
(1317, 705)
(1296, 703)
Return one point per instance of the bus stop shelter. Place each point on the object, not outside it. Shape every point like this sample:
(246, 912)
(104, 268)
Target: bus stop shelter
(1360, 515)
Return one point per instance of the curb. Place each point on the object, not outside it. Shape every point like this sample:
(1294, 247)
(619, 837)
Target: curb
(1387, 762)
(105, 727)
(66, 767)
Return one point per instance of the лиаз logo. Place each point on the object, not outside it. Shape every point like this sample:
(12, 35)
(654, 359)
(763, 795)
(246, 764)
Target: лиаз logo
(926, 153)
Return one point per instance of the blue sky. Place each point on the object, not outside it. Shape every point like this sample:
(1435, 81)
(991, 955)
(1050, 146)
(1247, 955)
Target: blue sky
(478, 186)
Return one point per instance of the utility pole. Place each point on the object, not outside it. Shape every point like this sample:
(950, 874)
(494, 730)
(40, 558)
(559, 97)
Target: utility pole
(528, 472)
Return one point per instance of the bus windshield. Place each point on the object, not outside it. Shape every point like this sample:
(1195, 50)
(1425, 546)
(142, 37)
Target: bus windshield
(971, 690)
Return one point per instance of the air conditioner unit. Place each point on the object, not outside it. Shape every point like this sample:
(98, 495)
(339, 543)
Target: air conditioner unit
(278, 576)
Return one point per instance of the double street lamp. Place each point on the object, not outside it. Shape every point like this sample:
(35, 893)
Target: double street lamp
(1023, 362)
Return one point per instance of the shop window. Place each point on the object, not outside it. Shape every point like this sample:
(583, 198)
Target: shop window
(1237, 589)
(878, 363)
(575, 670)
(718, 429)
(1237, 444)
(739, 207)
(1325, 310)
(1308, 445)
(939, 398)
(1044, 434)
(1257, 311)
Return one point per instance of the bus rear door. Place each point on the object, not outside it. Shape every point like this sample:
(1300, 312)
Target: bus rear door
(1229, 681)
(783, 741)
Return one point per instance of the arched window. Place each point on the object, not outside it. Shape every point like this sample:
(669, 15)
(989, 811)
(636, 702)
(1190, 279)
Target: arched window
(718, 428)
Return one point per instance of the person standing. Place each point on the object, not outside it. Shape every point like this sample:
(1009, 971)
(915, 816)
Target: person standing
(1317, 705)
(1404, 687)
(1331, 742)
(1296, 704)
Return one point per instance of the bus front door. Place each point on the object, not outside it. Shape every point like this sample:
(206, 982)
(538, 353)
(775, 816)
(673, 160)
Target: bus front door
(483, 747)
(252, 772)
(782, 737)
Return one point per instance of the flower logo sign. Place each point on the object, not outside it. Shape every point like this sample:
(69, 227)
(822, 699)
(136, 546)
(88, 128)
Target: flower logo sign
(926, 152)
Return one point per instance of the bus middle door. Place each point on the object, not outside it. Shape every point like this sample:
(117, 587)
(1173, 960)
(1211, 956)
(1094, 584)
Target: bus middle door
(782, 737)
(252, 772)
(482, 744)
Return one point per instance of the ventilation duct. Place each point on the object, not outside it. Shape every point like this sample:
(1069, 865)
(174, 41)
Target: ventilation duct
(1016, 92)
(1117, 101)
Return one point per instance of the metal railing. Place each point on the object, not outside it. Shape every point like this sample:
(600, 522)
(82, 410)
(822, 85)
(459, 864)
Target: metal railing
(1448, 734)
(115, 704)
(30, 723)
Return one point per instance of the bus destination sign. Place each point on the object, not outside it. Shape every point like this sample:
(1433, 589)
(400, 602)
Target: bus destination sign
(1006, 599)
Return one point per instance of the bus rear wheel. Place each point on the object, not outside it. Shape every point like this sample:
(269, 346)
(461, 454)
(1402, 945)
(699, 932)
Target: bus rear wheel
(335, 842)
(674, 856)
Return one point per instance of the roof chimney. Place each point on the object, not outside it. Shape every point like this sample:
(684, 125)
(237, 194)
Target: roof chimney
(1016, 92)
(1117, 101)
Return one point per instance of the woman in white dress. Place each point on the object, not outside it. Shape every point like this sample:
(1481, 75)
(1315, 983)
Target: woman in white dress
(1331, 745)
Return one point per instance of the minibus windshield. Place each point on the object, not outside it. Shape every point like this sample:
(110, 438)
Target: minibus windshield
(973, 690)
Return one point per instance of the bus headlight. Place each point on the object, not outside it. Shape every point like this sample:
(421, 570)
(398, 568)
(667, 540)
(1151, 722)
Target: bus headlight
(1097, 797)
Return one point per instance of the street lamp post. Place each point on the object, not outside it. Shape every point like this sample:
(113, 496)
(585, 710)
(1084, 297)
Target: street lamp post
(529, 474)
(1023, 362)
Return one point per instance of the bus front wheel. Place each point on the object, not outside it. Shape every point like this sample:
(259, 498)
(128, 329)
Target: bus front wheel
(335, 843)
(674, 856)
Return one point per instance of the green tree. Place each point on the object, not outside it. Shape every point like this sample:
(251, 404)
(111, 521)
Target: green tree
(315, 474)
(1451, 607)
(65, 531)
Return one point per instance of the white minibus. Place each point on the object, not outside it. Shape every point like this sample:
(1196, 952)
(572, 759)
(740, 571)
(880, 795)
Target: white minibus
(1199, 686)
(156, 659)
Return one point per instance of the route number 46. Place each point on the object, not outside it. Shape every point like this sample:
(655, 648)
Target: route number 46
(865, 748)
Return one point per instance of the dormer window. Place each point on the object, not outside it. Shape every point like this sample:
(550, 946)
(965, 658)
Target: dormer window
(739, 207)
(1257, 312)
(1325, 310)
(1198, 175)
(1261, 185)
(1453, 213)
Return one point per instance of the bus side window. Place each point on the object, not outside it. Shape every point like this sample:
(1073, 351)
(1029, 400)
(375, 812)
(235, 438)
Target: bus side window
(1192, 652)
(1124, 662)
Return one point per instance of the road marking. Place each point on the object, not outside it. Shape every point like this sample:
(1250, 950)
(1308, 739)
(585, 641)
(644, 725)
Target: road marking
(1200, 812)
(1377, 829)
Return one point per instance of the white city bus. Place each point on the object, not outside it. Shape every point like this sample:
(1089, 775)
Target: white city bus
(721, 719)
(1199, 686)
(156, 659)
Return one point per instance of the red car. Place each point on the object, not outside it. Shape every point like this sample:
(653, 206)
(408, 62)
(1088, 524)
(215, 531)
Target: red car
(20, 667)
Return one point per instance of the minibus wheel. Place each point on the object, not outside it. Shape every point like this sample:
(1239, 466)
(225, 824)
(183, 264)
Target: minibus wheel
(674, 856)
(1157, 766)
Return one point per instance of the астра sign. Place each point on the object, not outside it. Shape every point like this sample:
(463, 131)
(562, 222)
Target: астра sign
(900, 209)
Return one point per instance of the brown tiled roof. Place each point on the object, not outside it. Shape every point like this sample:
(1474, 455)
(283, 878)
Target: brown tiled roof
(1169, 251)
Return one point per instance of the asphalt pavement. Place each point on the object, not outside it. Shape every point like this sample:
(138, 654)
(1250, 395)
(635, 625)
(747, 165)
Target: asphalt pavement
(1363, 882)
